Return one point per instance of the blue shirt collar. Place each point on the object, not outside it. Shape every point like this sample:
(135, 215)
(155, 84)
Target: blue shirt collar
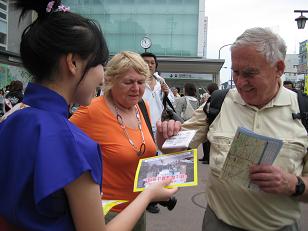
(46, 99)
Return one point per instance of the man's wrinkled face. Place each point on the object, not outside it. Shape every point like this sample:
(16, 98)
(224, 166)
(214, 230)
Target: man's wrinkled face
(256, 80)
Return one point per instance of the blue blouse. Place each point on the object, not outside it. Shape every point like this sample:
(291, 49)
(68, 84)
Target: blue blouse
(40, 153)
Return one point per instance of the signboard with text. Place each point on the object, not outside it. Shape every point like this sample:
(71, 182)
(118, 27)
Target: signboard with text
(168, 75)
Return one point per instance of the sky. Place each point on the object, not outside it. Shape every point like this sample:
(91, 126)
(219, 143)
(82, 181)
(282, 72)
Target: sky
(227, 19)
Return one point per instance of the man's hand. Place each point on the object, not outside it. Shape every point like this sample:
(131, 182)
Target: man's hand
(272, 179)
(164, 88)
(165, 130)
(168, 128)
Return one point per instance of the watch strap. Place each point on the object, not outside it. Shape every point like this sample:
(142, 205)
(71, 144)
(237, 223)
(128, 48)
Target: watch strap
(299, 187)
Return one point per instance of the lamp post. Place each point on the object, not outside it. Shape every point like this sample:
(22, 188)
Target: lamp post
(301, 20)
(229, 44)
(223, 47)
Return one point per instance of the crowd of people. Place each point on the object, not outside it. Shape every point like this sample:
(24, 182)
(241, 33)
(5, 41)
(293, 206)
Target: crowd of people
(67, 161)
(11, 95)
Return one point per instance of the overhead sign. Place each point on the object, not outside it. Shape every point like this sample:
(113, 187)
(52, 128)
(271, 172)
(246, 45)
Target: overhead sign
(168, 75)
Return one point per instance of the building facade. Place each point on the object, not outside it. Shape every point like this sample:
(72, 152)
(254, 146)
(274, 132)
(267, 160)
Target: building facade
(303, 57)
(177, 30)
(290, 72)
(3, 24)
(15, 28)
(175, 27)
(303, 65)
(10, 34)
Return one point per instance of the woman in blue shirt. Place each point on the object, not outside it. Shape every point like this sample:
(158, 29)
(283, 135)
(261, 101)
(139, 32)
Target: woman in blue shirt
(50, 171)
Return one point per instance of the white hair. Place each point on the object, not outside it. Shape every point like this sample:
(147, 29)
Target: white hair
(269, 44)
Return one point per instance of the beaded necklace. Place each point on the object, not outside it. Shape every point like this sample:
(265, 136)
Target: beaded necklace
(141, 150)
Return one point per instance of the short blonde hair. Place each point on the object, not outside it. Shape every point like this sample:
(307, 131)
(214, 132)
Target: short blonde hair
(121, 63)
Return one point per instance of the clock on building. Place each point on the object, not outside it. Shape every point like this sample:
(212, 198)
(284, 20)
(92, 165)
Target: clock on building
(145, 42)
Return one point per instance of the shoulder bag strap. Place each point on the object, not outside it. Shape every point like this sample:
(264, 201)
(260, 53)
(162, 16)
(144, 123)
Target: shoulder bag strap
(145, 114)
(167, 100)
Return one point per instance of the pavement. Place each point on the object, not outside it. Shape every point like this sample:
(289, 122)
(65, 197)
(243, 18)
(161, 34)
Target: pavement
(189, 210)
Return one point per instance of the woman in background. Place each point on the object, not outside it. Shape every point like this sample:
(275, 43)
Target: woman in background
(185, 106)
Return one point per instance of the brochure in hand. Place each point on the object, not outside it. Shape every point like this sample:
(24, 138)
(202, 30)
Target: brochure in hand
(180, 140)
(180, 166)
(248, 148)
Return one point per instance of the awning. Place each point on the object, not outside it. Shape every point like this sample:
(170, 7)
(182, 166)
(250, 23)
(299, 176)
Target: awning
(190, 65)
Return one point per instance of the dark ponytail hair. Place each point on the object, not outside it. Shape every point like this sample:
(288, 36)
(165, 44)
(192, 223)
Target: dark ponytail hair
(58, 33)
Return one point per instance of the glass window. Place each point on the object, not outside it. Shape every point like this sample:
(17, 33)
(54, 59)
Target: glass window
(172, 25)
(2, 15)
(3, 27)
(3, 6)
(2, 38)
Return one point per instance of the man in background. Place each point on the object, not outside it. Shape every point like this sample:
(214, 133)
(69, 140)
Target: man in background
(155, 89)
(288, 84)
(207, 145)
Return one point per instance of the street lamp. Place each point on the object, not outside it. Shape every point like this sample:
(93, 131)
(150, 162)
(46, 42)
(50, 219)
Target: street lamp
(219, 58)
(223, 47)
(301, 20)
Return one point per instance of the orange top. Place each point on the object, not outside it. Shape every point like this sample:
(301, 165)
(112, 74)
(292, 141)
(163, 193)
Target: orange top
(120, 160)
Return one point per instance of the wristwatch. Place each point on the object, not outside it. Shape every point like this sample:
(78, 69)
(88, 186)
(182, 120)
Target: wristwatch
(299, 188)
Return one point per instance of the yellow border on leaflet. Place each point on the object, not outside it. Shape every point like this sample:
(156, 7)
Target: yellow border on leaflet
(191, 183)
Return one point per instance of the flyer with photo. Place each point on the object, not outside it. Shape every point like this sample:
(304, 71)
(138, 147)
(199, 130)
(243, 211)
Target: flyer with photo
(180, 166)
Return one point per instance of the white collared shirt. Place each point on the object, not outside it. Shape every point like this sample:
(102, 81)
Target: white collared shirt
(155, 99)
(258, 210)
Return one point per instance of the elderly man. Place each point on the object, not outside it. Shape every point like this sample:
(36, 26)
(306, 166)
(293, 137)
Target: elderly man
(261, 104)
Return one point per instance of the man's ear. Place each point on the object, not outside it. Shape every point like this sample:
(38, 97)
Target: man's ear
(280, 66)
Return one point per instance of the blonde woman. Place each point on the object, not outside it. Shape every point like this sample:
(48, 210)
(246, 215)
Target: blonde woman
(115, 121)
